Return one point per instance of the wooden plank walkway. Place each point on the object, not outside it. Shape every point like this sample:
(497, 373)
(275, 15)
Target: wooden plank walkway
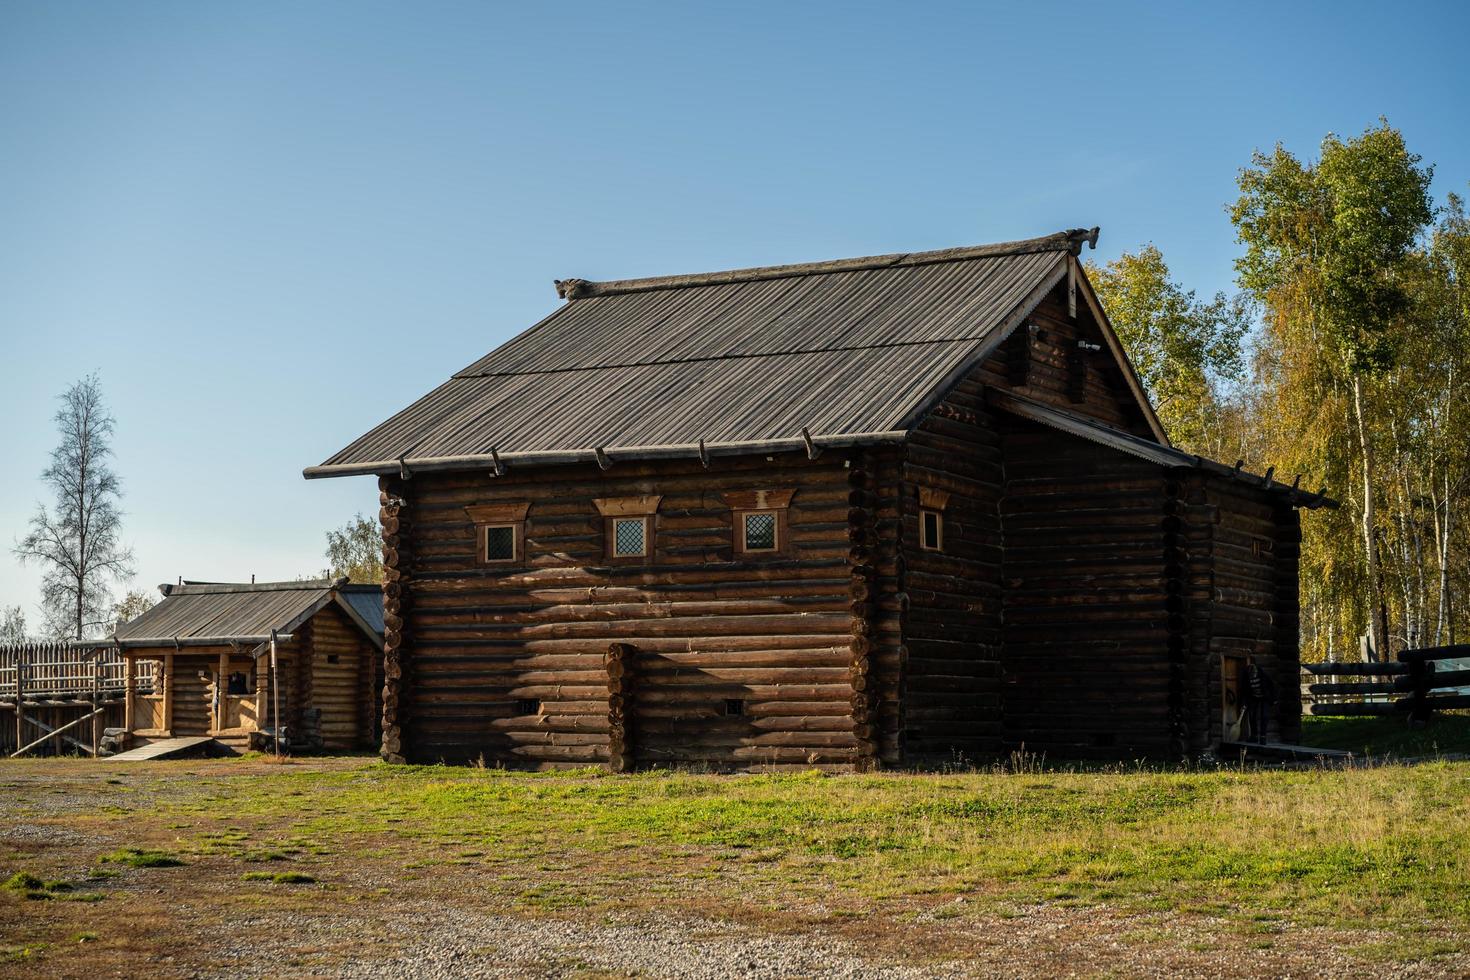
(162, 749)
(1282, 750)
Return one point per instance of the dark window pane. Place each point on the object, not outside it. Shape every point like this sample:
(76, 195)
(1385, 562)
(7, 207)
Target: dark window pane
(760, 532)
(500, 543)
(931, 530)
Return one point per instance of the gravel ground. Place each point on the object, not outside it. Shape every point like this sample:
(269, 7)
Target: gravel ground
(369, 919)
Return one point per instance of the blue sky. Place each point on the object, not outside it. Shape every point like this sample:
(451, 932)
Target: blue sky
(270, 225)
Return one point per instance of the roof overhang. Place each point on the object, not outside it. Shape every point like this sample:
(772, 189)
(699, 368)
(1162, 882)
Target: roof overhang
(1166, 456)
(409, 465)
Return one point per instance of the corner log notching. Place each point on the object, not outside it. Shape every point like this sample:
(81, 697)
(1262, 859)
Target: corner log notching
(396, 581)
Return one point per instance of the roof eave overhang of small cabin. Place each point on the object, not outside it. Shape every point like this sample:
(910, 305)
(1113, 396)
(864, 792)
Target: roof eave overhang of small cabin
(258, 643)
(407, 466)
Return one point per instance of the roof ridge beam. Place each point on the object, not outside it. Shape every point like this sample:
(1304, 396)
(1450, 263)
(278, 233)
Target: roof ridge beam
(1063, 241)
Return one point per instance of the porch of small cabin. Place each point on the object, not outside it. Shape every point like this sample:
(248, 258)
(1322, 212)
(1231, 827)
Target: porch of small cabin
(215, 691)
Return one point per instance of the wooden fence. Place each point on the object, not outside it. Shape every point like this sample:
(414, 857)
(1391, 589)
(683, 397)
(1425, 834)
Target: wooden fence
(54, 688)
(1413, 685)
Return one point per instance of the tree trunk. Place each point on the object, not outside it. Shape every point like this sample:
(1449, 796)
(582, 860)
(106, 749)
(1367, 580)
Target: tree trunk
(1377, 614)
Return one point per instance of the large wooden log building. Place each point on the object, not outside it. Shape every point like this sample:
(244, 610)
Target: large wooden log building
(210, 648)
(877, 511)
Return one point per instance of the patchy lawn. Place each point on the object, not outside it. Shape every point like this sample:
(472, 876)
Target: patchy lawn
(350, 867)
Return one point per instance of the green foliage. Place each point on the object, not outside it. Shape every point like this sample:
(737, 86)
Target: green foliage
(356, 550)
(1187, 351)
(1332, 238)
(1358, 380)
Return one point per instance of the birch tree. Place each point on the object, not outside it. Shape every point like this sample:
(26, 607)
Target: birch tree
(1328, 254)
(76, 542)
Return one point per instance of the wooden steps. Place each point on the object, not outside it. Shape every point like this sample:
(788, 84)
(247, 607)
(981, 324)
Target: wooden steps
(165, 748)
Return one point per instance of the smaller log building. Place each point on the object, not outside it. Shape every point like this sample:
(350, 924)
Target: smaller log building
(209, 645)
(882, 511)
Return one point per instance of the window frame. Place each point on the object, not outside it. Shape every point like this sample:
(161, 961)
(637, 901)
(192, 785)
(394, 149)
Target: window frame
(612, 537)
(614, 509)
(778, 532)
(517, 529)
(747, 503)
(510, 514)
(924, 514)
(932, 502)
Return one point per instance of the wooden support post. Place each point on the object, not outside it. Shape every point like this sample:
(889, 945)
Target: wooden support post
(275, 697)
(167, 681)
(20, 697)
(260, 694)
(96, 703)
(220, 688)
(130, 692)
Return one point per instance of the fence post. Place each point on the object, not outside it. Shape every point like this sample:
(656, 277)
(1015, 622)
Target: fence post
(96, 702)
(20, 696)
(1420, 680)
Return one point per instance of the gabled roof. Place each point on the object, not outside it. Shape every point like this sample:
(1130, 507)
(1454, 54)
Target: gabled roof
(200, 613)
(783, 357)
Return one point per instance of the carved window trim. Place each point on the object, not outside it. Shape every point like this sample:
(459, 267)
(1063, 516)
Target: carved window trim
(747, 503)
(620, 509)
(511, 514)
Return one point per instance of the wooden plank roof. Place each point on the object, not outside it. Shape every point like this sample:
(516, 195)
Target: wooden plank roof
(845, 352)
(226, 612)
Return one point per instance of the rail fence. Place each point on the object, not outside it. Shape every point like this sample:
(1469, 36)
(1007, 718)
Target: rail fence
(1416, 684)
(61, 670)
(61, 696)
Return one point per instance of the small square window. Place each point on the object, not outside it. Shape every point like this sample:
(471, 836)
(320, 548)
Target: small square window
(500, 542)
(528, 706)
(630, 537)
(334, 658)
(760, 531)
(931, 530)
(734, 706)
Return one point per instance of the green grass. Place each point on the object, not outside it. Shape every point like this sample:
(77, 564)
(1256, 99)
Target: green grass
(1346, 845)
(135, 857)
(1447, 734)
(32, 887)
(279, 877)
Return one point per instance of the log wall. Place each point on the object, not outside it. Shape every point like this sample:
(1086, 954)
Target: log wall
(952, 629)
(341, 665)
(1086, 617)
(1251, 564)
(740, 660)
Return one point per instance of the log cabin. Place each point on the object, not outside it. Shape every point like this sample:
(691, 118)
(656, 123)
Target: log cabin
(209, 648)
(889, 511)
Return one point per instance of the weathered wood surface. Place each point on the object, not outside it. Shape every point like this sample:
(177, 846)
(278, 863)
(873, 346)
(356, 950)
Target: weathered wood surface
(708, 627)
(164, 748)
